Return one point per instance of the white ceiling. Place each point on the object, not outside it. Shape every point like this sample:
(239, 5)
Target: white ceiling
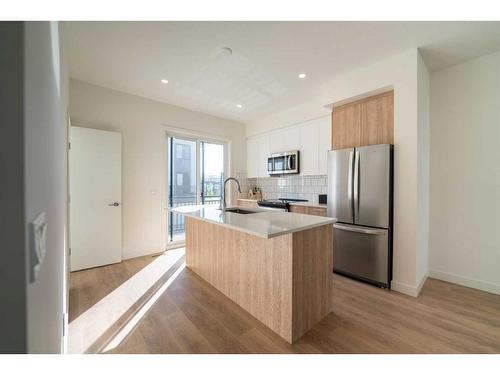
(261, 73)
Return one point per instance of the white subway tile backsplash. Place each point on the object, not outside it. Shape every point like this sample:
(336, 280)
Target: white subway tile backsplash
(307, 187)
(290, 186)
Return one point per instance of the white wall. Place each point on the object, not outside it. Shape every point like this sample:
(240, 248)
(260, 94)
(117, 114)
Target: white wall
(465, 174)
(140, 120)
(399, 72)
(45, 179)
(423, 139)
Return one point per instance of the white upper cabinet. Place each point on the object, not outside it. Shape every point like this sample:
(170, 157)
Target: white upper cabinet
(252, 153)
(257, 153)
(311, 138)
(309, 146)
(263, 143)
(325, 139)
(284, 140)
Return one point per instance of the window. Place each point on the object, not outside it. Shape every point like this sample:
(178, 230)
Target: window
(195, 176)
(180, 151)
(179, 178)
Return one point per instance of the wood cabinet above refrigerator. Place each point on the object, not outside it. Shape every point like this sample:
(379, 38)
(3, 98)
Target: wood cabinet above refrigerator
(368, 121)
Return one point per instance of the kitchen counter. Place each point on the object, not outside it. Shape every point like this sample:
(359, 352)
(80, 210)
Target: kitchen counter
(309, 204)
(262, 223)
(248, 199)
(276, 265)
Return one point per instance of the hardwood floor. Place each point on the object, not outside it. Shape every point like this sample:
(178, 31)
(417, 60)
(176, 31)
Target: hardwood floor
(90, 286)
(190, 316)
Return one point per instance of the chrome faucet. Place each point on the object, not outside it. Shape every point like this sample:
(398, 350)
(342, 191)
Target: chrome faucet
(222, 205)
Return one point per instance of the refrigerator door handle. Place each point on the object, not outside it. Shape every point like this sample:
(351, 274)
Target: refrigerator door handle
(349, 183)
(356, 185)
(359, 229)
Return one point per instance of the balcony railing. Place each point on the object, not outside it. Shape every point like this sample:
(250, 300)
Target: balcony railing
(176, 222)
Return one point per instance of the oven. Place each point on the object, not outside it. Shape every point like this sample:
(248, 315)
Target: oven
(283, 163)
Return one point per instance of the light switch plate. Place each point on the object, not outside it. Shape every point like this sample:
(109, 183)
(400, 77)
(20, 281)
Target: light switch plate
(38, 234)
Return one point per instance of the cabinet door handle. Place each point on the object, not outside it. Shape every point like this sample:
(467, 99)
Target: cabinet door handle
(114, 204)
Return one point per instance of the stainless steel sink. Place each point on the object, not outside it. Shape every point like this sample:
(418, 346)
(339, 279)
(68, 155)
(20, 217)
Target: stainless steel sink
(240, 211)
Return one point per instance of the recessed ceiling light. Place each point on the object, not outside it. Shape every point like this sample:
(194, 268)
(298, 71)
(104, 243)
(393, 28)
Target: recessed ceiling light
(164, 81)
(239, 106)
(302, 75)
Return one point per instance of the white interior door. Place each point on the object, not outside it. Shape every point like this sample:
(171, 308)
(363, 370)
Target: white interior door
(95, 198)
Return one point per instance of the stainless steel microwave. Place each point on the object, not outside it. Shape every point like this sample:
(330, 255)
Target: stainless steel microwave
(283, 163)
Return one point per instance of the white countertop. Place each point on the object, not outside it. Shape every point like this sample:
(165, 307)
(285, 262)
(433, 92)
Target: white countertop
(262, 223)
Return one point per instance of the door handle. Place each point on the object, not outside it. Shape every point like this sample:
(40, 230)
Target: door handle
(349, 184)
(356, 185)
(359, 229)
(114, 204)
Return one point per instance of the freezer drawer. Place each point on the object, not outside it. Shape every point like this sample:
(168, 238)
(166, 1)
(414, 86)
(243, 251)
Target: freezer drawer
(361, 252)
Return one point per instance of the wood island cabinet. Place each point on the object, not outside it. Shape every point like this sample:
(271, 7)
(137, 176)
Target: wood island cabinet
(284, 281)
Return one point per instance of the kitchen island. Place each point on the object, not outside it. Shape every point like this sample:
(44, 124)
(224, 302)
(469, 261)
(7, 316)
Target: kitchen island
(275, 265)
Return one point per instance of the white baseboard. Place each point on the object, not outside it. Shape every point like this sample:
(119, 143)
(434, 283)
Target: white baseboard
(421, 284)
(410, 290)
(486, 286)
(141, 254)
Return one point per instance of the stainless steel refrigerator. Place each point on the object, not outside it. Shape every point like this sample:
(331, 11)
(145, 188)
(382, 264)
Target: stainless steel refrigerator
(360, 197)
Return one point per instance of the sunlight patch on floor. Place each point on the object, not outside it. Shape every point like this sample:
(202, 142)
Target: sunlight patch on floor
(123, 333)
(93, 323)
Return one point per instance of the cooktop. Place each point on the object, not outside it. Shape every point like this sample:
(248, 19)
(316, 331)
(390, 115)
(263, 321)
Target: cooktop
(280, 202)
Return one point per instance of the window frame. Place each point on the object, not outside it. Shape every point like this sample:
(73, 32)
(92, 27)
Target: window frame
(197, 137)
